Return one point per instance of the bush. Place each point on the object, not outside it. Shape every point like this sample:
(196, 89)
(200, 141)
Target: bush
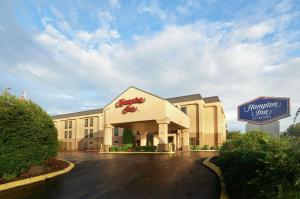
(27, 136)
(195, 147)
(213, 148)
(145, 148)
(256, 165)
(127, 137)
(126, 147)
(205, 147)
(61, 146)
(293, 130)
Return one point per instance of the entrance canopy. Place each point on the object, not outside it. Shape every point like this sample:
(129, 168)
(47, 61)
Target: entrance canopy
(137, 109)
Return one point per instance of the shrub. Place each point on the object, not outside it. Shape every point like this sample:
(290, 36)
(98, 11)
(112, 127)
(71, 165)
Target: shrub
(256, 165)
(126, 147)
(61, 146)
(293, 130)
(195, 147)
(127, 137)
(27, 136)
(145, 148)
(205, 147)
(213, 148)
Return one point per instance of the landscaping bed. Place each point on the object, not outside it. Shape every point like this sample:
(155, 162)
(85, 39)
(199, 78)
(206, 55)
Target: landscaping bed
(131, 148)
(255, 165)
(50, 166)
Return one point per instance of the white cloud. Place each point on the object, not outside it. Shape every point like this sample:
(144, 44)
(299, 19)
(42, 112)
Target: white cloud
(236, 60)
(254, 31)
(61, 96)
(105, 16)
(186, 7)
(115, 3)
(36, 71)
(155, 10)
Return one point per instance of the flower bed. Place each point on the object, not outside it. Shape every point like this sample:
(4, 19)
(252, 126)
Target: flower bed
(130, 148)
(50, 166)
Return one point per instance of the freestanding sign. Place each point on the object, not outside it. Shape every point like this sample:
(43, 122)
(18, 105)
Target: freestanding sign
(264, 110)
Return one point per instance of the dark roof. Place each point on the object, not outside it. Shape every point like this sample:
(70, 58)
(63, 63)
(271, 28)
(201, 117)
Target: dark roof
(172, 100)
(211, 99)
(89, 112)
(185, 98)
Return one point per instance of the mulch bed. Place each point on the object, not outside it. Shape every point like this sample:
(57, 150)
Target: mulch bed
(50, 166)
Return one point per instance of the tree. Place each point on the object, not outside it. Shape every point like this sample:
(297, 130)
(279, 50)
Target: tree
(293, 130)
(232, 134)
(27, 136)
(127, 136)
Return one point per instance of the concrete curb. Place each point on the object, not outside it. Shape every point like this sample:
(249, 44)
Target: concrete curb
(202, 150)
(121, 152)
(217, 170)
(18, 183)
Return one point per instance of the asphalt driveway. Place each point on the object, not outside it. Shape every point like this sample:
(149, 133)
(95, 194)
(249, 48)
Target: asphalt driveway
(126, 176)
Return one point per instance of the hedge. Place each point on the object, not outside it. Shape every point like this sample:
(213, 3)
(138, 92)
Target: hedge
(125, 147)
(145, 148)
(256, 165)
(27, 136)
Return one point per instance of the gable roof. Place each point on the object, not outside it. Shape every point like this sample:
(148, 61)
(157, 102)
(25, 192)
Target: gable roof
(172, 100)
(185, 98)
(81, 113)
(127, 90)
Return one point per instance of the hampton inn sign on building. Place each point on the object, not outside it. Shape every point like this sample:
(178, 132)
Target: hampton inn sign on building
(182, 121)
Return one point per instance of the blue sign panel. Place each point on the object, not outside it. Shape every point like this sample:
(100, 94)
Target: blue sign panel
(264, 110)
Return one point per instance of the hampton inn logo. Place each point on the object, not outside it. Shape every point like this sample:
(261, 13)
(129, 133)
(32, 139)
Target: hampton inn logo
(129, 104)
(264, 110)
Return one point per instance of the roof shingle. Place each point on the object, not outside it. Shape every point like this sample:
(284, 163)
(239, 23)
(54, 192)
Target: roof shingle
(211, 99)
(81, 113)
(185, 98)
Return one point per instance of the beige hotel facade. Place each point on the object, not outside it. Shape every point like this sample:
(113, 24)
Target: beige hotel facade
(169, 123)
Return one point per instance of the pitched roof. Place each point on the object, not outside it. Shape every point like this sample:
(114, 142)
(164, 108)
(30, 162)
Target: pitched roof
(185, 98)
(172, 100)
(211, 99)
(81, 113)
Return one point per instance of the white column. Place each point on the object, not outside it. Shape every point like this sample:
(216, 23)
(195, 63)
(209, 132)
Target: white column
(107, 137)
(163, 135)
(143, 138)
(77, 129)
(186, 140)
(155, 140)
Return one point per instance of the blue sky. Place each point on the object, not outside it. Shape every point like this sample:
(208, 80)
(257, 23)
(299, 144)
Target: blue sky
(78, 55)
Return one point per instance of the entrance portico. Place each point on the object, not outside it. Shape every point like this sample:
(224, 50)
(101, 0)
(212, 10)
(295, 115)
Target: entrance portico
(144, 112)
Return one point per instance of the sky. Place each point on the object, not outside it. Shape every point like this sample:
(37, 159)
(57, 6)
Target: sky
(77, 55)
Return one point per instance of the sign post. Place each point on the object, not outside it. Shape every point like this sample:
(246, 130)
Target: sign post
(263, 113)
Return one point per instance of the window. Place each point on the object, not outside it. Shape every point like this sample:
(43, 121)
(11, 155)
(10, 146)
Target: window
(66, 134)
(116, 141)
(70, 134)
(70, 124)
(91, 133)
(66, 124)
(86, 122)
(116, 131)
(183, 109)
(91, 121)
(86, 133)
(91, 142)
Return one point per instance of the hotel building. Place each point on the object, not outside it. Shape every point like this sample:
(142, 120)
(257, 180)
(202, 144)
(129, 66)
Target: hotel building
(181, 121)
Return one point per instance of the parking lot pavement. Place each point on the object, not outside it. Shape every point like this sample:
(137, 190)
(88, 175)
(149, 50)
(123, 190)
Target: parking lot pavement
(127, 176)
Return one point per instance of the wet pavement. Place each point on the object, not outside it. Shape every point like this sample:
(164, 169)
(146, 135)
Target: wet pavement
(138, 176)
